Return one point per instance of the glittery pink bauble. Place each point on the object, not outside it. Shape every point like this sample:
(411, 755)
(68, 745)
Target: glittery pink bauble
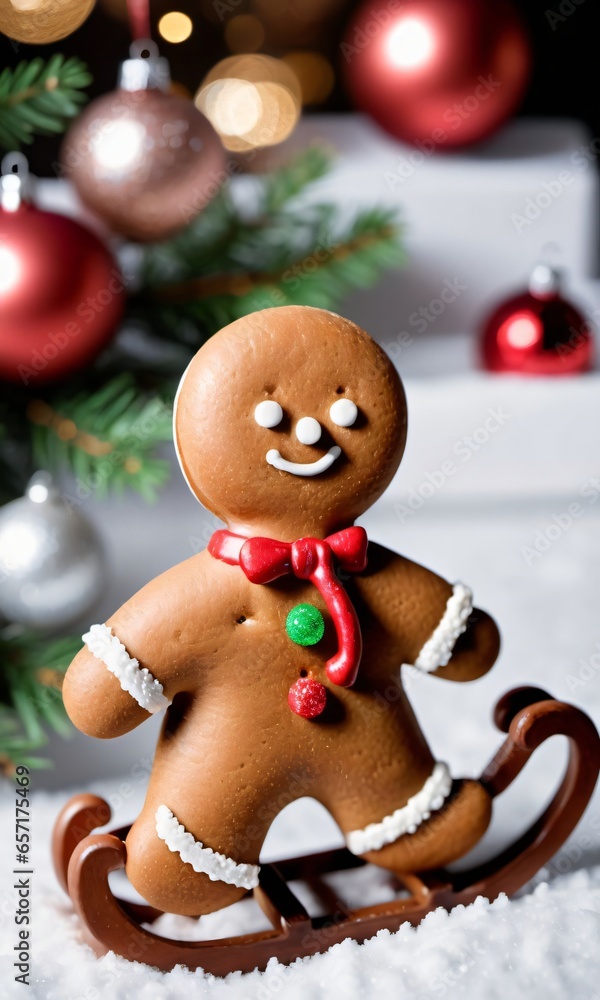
(147, 162)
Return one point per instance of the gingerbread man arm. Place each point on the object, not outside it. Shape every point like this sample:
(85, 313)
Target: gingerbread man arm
(433, 623)
(475, 651)
(133, 665)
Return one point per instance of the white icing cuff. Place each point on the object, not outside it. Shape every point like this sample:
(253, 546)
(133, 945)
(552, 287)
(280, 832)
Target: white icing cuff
(438, 649)
(408, 818)
(218, 867)
(136, 680)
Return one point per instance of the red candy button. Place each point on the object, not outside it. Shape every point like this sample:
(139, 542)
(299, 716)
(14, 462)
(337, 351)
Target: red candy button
(307, 697)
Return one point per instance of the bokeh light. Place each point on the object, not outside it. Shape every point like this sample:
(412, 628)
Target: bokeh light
(251, 100)
(244, 33)
(410, 43)
(38, 493)
(522, 330)
(22, 545)
(25, 4)
(315, 75)
(175, 27)
(117, 148)
(12, 188)
(234, 107)
(10, 270)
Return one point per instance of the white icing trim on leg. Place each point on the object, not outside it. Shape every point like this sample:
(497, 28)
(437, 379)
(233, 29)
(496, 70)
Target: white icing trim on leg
(136, 680)
(218, 867)
(408, 818)
(438, 649)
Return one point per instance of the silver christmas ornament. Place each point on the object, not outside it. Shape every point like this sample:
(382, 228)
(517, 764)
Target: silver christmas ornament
(52, 565)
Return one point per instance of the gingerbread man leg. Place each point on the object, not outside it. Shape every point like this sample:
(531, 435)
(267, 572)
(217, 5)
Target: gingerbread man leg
(447, 834)
(397, 806)
(191, 852)
(438, 829)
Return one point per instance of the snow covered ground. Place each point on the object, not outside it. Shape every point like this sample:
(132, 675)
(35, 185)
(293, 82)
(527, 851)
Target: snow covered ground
(543, 944)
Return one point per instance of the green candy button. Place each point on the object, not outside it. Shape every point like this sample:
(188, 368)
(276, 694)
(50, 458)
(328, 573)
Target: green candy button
(305, 625)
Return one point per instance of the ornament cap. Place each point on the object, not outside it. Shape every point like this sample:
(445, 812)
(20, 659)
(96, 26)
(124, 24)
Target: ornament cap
(145, 69)
(15, 182)
(545, 281)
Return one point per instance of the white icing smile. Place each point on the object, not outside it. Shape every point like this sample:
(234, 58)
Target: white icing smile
(275, 459)
(269, 414)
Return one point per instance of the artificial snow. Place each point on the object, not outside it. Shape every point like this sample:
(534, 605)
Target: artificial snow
(542, 944)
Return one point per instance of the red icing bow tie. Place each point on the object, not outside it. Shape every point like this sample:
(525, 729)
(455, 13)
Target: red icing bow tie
(265, 559)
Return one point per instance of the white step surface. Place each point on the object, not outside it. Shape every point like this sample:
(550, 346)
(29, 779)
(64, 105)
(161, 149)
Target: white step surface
(462, 212)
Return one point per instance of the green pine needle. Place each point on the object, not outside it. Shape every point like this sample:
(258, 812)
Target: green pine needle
(40, 98)
(31, 670)
(114, 433)
(279, 187)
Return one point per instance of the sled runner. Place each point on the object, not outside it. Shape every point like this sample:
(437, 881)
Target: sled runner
(529, 716)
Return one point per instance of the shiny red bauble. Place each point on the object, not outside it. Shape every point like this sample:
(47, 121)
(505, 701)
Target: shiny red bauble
(537, 334)
(61, 296)
(437, 73)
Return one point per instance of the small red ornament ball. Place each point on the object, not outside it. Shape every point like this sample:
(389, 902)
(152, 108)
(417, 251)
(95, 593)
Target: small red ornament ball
(61, 296)
(307, 697)
(537, 333)
(437, 73)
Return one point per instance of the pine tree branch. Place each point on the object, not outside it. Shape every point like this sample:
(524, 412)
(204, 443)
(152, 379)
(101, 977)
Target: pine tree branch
(238, 285)
(31, 674)
(319, 270)
(39, 97)
(268, 228)
(274, 250)
(281, 186)
(107, 437)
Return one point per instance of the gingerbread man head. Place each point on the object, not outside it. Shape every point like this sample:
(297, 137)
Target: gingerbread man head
(290, 421)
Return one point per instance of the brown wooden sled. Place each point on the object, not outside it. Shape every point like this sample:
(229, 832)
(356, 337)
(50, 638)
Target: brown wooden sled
(528, 715)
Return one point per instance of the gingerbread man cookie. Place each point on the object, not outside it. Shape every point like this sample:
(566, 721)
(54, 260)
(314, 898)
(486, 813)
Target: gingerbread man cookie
(273, 649)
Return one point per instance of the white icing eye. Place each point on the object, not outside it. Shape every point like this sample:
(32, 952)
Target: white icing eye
(343, 412)
(308, 430)
(268, 413)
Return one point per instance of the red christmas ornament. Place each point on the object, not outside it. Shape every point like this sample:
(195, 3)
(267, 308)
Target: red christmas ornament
(144, 159)
(61, 292)
(538, 332)
(307, 697)
(437, 73)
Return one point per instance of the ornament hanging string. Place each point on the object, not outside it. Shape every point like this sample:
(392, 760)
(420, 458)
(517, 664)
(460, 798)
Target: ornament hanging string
(139, 18)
